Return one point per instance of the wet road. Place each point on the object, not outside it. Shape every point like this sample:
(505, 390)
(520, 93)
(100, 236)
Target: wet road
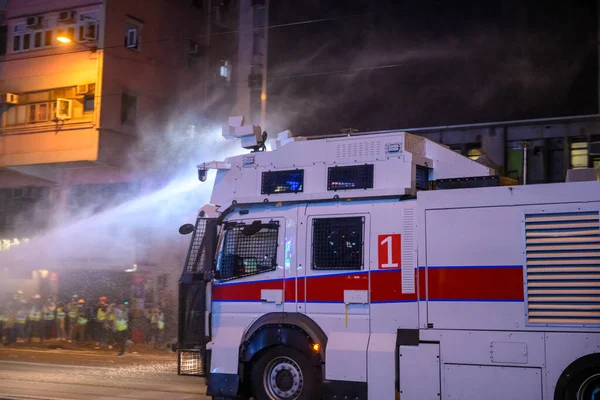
(74, 375)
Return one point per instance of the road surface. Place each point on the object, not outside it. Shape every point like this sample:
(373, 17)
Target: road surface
(93, 375)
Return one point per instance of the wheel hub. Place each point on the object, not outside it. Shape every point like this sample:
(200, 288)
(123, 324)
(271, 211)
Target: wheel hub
(283, 379)
(590, 388)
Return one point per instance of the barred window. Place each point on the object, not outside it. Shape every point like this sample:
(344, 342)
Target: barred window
(202, 246)
(282, 181)
(248, 249)
(350, 177)
(337, 243)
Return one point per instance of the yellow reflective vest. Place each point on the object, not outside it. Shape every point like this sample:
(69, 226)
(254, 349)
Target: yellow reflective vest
(35, 316)
(121, 325)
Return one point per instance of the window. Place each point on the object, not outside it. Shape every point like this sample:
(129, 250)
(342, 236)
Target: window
(131, 41)
(88, 27)
(579, 155)
(248, 249)
(43, 112)
(128, 109)
(16, 115)
(88, 103)
(225, 70)
(133, 33)
(27, 41)
(352, 177)
(282, 181)
(3, 39)
(37, 39)
(17, 43)
(48, 36)
(337, 243)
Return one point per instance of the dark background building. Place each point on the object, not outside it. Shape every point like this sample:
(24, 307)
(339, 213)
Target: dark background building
(477, 72)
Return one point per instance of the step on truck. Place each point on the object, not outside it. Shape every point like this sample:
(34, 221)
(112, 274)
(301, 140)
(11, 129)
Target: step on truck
(382, 266)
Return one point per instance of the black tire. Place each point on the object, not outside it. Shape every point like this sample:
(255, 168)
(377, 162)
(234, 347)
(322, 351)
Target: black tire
(585, 385)
(287, 359)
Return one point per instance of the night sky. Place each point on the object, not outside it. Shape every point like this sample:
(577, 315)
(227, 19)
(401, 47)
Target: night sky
(449, 63)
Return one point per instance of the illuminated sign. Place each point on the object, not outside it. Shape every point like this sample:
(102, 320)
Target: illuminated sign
(6, 244)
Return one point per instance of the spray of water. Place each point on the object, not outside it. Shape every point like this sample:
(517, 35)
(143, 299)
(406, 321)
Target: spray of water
(140, 230)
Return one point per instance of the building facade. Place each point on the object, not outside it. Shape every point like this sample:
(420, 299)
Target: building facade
(88, 89)
(533, 151)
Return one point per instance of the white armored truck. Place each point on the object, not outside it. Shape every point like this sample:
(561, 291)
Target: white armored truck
(383, 265)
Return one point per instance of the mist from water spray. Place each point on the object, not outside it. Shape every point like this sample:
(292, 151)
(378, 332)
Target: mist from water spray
(110, 239)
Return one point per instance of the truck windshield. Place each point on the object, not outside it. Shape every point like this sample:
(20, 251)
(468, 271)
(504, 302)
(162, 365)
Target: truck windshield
(247, 249)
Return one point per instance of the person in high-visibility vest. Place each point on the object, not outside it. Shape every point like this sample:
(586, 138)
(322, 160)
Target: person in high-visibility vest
(35, 320)
(109, 325)
(101, 316)
(61, 317)
(3, 319)
(82, 320)
(49, 311)
(9, 326)
(121, 327)
(20, 321)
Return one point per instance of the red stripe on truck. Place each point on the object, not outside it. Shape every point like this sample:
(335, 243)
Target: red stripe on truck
(504, 283)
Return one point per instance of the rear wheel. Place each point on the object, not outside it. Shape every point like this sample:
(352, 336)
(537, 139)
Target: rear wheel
(590, 388)
(583, 386)
(283, 373)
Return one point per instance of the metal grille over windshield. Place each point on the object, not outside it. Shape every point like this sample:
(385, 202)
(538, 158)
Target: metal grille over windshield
(201, 251)
(248, 249)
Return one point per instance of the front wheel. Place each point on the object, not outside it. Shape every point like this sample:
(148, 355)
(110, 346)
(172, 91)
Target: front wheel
(283, 373)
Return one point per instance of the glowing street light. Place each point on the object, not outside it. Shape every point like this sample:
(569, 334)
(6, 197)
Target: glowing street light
(63, 39)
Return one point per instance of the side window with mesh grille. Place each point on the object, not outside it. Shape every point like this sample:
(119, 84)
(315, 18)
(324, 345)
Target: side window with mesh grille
(248, 249)
(337, 243)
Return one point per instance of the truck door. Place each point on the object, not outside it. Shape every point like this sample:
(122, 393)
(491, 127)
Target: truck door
(335, 288)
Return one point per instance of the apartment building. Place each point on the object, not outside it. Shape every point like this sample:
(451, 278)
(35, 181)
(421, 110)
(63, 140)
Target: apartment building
(84, 86)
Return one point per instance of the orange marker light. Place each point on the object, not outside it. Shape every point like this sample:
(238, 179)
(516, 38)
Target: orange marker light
(316, 347)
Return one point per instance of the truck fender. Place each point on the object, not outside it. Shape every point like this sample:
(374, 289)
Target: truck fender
(289, 329)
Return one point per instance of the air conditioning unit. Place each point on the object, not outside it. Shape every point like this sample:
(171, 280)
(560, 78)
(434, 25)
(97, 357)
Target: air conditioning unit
(90, 30)
(64, 109)
(82, 89)
(9, 98)
(66, 17)
(33, 22)
(594, 148)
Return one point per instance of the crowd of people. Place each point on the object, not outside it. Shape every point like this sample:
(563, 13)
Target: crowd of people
(75, 321)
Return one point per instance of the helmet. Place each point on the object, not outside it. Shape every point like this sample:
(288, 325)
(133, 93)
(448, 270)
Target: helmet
(103, 298)
(37, 296)
(81, 301)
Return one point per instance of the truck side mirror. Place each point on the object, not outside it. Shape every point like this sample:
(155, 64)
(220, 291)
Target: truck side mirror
(186, 229)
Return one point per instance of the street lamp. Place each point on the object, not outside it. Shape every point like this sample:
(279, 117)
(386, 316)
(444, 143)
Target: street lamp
(64, 39)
